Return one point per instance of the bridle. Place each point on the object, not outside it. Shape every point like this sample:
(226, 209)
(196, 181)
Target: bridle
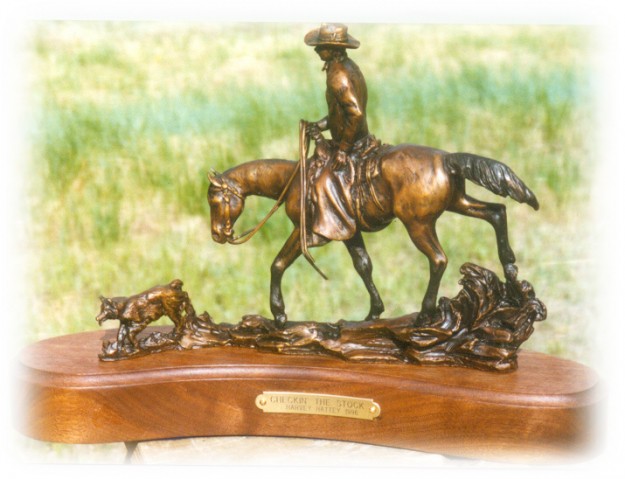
(228, 191)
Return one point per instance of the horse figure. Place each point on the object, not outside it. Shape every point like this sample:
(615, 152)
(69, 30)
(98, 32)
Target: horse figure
(415, 184)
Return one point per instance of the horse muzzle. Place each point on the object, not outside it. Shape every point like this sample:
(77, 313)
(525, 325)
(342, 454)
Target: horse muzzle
(223, 236)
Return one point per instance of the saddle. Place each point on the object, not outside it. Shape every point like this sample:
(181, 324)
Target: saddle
(336, 206)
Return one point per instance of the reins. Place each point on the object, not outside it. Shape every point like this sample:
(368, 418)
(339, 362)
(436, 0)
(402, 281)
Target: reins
(304, 141)
(301, 167)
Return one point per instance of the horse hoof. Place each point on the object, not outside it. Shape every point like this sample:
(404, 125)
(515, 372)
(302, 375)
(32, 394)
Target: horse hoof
(510, 271)
(424, 317)
(280, 321)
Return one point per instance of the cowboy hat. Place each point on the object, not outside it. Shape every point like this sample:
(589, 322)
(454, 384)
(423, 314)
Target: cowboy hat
(333, 34)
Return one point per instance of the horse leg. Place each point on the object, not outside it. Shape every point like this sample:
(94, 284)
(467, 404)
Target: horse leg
(423, 235)
(495, 214)
(362, 262)
(289, 253)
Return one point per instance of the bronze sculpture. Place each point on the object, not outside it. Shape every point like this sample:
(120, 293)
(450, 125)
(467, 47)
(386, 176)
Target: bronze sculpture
(438, 186)
(413, 183)
(136, 312)
(357, 184)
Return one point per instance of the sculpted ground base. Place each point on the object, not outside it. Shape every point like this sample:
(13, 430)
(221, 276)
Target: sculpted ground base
(482, 328)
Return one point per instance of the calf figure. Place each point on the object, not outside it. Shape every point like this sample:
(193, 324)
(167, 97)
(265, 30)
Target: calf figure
(136, 312)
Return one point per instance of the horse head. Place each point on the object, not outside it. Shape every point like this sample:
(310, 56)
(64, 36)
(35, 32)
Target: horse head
(226, 205)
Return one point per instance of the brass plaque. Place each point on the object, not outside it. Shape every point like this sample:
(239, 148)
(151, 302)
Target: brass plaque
(318, 404)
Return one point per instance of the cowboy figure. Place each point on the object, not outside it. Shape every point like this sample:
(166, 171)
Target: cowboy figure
(346, 95)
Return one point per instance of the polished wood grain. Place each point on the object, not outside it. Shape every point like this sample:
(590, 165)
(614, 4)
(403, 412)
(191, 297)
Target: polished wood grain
(544, 409)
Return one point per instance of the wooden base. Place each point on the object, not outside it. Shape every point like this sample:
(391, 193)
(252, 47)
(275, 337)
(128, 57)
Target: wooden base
(542, 410)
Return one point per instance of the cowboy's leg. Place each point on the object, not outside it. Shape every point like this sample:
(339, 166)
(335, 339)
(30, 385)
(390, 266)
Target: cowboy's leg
(333, 217)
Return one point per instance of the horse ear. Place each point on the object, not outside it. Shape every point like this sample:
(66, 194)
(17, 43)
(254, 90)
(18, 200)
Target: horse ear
(214, 178)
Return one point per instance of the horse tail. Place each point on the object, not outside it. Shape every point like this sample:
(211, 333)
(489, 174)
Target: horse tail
(490, 174)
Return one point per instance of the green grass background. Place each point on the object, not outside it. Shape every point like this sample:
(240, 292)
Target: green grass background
(127, 118)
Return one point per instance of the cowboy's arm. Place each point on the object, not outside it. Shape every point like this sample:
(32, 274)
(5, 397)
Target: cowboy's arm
(348, 101)
(353, 114)
(317, 126)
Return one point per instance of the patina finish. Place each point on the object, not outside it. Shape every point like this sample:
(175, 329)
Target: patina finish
(415, 184)
(350, 184)
(482, 327)
(346, 96)
(353, 184)
(136, 312)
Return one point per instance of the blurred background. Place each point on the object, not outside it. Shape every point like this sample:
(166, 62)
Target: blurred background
(127, 119)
